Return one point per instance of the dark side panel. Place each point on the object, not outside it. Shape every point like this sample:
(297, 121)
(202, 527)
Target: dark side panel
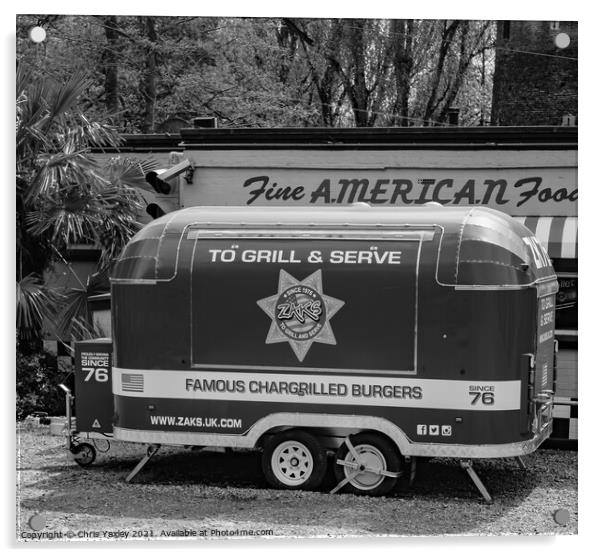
(477, 335)
(236, 417)
(93, 393)
(322, 304)
(151, 326)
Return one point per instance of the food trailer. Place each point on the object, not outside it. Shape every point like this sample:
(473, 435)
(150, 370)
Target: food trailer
(382, 334)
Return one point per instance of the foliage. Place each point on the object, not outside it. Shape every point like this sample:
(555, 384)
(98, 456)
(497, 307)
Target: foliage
(95, 76)
(74, 318)
(37, 385)
(35, 302)
(258, 72)
(63, 196)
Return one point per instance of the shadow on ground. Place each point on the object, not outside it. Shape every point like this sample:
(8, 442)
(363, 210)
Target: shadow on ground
(198, 487)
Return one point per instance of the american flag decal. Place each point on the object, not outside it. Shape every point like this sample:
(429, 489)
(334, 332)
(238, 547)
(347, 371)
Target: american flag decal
(132, 382)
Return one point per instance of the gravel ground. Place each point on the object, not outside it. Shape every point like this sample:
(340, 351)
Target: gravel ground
(210, 493)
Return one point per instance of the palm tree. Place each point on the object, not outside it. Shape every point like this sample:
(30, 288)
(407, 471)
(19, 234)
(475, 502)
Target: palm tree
(63, 196)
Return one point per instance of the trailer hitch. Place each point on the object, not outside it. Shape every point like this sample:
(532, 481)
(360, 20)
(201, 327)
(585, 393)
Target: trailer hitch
(358, 467)
(69, 414)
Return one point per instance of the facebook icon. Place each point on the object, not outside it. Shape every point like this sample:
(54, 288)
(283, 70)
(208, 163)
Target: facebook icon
(421, 429)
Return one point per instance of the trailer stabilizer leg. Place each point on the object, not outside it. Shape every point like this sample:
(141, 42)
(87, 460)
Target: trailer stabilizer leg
(151, 450)
(412, 470)
(520, 462)
(467, 465)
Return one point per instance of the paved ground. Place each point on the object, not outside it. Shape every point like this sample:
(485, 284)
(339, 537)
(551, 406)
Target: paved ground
(214, 493)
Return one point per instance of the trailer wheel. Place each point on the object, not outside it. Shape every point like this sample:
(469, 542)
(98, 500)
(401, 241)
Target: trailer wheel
(293, 460)
(84, 454)
(366, 475)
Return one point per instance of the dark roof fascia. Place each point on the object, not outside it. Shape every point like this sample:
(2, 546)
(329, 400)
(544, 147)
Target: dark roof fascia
(476, 138)
(145, 143)
(487, 137)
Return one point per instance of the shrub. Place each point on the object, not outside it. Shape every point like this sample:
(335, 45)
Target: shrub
(37, 385)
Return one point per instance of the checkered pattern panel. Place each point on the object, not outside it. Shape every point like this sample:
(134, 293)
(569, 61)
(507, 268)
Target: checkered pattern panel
(565, 414)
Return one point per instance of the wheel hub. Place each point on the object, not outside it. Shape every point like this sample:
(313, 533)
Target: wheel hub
(292, 463)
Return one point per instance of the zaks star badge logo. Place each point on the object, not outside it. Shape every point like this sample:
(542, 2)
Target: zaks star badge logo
(300, 313)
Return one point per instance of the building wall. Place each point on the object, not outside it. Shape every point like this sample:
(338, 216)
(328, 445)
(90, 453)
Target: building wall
(531, 89)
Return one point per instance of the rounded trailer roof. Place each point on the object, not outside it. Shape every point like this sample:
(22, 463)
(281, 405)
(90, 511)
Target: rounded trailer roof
(478, 245)
(286, 216)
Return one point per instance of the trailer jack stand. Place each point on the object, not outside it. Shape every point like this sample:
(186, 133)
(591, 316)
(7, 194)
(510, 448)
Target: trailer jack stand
(151, 450)
(412, 471)
(467, 465)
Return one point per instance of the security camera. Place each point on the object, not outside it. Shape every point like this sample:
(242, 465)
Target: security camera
(159, 180)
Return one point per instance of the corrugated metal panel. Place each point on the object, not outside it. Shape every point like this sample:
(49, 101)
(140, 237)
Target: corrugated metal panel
(566, 375)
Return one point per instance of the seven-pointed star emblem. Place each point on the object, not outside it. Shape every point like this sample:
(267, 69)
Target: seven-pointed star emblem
(300, 313)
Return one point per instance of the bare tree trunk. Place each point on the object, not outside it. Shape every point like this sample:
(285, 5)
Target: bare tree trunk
(288, 36)
(322, 84)
(358, 91)
(451, 92)
(402, 32)
(354, 77)
(446, 39)
(111, 68)
(149, 86)
(466, 56)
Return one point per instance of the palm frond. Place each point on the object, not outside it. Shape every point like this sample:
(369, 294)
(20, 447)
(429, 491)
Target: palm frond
(35, 302)
(96, 133)
(129, 172)
(53, 132)
(63, 98)
(84, 330)
(74, 308)
(63, 226)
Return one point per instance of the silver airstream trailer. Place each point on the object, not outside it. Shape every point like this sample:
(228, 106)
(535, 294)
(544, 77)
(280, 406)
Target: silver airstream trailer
(382, 334)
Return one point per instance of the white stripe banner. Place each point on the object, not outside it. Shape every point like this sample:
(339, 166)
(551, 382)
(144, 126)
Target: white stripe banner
(558, 235)
(321, 389)
(542, 232)
(569, 239)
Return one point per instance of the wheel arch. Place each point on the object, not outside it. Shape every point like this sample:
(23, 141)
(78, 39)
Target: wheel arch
(275, 423)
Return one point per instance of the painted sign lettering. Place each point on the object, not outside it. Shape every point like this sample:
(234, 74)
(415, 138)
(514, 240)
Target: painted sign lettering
(372, 256)
(310, 388)
(405, 191)
(540, 256)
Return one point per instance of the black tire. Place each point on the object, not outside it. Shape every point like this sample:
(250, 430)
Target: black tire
(378, 452)
(293, 459)
(84, 454)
